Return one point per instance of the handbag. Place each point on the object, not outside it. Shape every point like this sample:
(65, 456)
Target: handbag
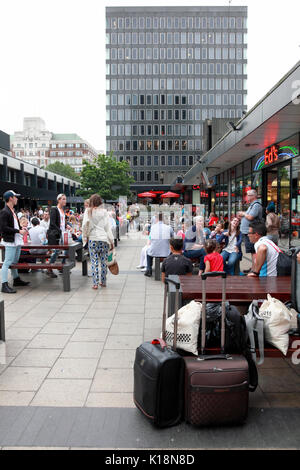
(187, 329)
(111, 262)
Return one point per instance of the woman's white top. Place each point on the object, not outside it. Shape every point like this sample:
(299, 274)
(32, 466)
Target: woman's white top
(98, 225)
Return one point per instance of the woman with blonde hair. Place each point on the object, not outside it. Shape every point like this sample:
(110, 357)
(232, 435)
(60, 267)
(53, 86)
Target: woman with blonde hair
(96, 229)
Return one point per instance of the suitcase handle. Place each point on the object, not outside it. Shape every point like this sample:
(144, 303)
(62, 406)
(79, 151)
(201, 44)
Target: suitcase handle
(204, 277)
(164, 322)
(227, 357)
(161, 342)
(214, 274)
(176, 284)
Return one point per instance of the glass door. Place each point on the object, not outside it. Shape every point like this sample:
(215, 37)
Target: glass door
(279, 191)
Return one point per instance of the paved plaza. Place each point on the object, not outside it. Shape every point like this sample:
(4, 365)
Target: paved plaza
(66, 376)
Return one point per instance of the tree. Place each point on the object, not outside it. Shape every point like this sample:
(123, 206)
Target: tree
(63, 170)
(107, 177)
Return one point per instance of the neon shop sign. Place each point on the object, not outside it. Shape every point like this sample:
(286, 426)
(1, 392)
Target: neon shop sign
(273, 154)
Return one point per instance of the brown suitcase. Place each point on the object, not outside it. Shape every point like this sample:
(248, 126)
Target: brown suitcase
(216, 387)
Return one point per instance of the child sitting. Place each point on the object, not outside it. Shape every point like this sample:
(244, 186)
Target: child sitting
(213, 260)
(176, 263)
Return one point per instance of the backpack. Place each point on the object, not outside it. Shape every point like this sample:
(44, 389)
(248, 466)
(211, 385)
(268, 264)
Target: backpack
(284, 260)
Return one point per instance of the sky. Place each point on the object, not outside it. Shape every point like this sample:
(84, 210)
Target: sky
(52, 58)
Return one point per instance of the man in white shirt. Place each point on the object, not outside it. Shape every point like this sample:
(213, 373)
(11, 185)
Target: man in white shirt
(266, 252)
(160, 236)
(37, 235)
(46, 220)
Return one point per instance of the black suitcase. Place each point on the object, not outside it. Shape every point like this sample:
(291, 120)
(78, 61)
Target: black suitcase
(216, 387)
(158, 376)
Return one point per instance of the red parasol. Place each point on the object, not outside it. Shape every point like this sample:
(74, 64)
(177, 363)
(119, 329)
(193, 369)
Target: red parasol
(169, 194)
(147, 194)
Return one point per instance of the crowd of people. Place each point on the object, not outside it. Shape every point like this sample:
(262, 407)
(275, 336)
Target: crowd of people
(94, 226)
(213, 244)
(182, 239)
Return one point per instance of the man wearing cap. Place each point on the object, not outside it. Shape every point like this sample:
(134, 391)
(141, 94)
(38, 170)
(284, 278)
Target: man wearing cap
(12, 235)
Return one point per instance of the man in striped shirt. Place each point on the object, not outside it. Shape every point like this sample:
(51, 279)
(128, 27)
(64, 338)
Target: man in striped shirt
(266, 251)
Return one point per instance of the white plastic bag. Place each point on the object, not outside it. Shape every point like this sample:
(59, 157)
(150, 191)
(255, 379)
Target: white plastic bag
(277, 322)
(188, 327)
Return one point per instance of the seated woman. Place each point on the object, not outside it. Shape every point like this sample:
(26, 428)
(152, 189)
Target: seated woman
(219, 235)
(194, 241)
(232, 251)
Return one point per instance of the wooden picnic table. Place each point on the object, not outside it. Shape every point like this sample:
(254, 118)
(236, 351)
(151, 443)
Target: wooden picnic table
(239, 289)
(70, 255)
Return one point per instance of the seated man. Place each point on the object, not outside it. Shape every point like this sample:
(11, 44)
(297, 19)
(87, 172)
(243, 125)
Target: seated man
(160, 235)
(176, 263)
(266, 251)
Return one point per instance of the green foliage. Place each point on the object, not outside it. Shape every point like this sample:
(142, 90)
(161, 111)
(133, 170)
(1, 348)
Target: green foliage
(63, 170)
(107, 177)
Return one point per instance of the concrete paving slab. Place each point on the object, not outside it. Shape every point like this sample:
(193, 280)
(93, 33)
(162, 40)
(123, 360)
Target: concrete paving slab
(83, 350)
(62, 392)
(37, 358)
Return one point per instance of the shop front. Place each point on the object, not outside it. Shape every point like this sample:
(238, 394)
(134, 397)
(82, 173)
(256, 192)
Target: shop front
(275, 174)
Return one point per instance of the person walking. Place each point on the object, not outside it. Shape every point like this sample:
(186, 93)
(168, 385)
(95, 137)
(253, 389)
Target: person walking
(272, 223)
(96, 229)
(253, 214)
(12, 235)
(56, 229)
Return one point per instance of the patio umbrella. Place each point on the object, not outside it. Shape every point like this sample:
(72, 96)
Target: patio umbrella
(147, 194)
(169, 194)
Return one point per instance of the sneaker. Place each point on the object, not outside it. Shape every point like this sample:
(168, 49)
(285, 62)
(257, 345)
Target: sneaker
(140, 267)
(51, 274)
(144, 270)
(148, 273)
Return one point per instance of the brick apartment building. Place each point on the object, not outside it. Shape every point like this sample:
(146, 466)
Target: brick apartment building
(38, 146)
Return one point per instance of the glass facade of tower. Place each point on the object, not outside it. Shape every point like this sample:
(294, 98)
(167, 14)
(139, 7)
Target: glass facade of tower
(169, 69)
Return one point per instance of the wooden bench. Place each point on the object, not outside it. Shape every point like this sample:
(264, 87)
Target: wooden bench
(64, 267)
(70, 250)
(255, 288)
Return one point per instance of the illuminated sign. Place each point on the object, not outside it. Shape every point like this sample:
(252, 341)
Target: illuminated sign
(273, 154)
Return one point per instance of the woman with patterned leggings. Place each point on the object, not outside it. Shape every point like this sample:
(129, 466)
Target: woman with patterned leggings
(96, 229)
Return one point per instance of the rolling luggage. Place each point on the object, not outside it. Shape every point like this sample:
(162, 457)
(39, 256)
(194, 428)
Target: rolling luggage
(158, 376)
(216, 387)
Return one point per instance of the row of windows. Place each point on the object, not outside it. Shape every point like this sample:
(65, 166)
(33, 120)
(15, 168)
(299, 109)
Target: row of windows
(176, 22)
(176, 84)
(153, 145)
(30, 145)
(68, 154)
(169, 100)
(62, 146)
(174, 114)
(173, 129)
(176, 53)
(163, 145)
(176, 38)
(184, 68)
(163, 160)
